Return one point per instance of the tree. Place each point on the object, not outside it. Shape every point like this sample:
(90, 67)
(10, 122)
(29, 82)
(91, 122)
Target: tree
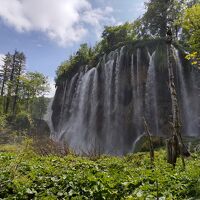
(83, 54)
(14, 65)
(39, 107)
(35, 85)
(113, 35)
(155, 19)
(20, 64)
(10, 82)
(191, 26)
(160, 15)
(4, 72)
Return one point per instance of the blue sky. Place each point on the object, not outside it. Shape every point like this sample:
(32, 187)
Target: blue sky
(48, 31)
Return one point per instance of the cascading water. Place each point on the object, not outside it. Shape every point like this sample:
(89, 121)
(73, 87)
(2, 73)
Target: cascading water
(195, 81)
(47, 117)
(151, 95)
(102, 107)
(137, 93)
(190, 114)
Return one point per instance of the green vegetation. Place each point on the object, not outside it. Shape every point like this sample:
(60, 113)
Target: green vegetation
(112, 37)
(191, 25)
(22, 93)
(44, 170)
(28, 175)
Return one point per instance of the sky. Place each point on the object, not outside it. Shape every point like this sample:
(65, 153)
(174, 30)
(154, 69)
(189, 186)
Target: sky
(49, 31)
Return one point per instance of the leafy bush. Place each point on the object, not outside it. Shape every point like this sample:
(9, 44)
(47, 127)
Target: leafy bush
(23, 121)
(26, 175)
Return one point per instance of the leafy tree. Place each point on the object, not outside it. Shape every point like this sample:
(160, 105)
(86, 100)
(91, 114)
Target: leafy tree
(11, 81)
(191, 26)
(83, 54)
(20, 65)
(82, 57)
(113, 35)
(159, 15)
(35, 85)
(13, 67)
(22, 94)
(39, 107)
(155, 19)
(4, 72)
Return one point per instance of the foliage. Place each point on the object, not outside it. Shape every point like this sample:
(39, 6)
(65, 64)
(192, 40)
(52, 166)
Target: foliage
(111, 37)
(81, 57)
(23, 120)
(10, 84)
(143, 144)
(154, 22)
(195, 58)
(26, 175)
(34, 84)
(22, 93)
(191, 26)
(39, 107)
(163, 15)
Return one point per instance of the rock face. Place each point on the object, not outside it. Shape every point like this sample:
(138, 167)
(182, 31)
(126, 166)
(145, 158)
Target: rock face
(101, 108)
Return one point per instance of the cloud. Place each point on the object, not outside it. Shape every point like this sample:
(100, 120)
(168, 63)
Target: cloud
(63, 21)
(52, 88)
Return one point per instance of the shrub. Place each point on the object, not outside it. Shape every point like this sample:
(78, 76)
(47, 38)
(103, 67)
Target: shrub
(23, 121)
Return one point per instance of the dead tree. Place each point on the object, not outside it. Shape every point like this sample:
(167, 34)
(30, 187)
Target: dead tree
(175, 146)
(150, 141)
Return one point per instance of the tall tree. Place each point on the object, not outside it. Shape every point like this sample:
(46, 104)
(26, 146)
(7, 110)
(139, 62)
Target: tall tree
(35, 85)
(10, 83)
(155, 19)
(160, 15)
(191, 27)
(20, 64)
(113, 35)
(4, 72)
(15, 64)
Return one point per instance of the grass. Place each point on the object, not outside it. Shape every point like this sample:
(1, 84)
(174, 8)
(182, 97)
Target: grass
(25, 174)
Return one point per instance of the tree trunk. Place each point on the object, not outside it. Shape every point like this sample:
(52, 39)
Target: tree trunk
(150, 141)
(17, 89)
(175, 144)
(10, 84)
(3, 84)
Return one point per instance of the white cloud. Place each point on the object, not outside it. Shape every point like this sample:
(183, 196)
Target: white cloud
(52, 88)
(63, 21)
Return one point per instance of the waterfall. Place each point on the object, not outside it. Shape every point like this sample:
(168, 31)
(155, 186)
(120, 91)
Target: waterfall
(138, 98)
(187, 103)
(76, 129)
(101, 108)
(47, 117)
(195, 99)
(109, 106)
(151, 95)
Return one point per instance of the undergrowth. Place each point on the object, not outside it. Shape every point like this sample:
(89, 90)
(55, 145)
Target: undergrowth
(26, 174)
